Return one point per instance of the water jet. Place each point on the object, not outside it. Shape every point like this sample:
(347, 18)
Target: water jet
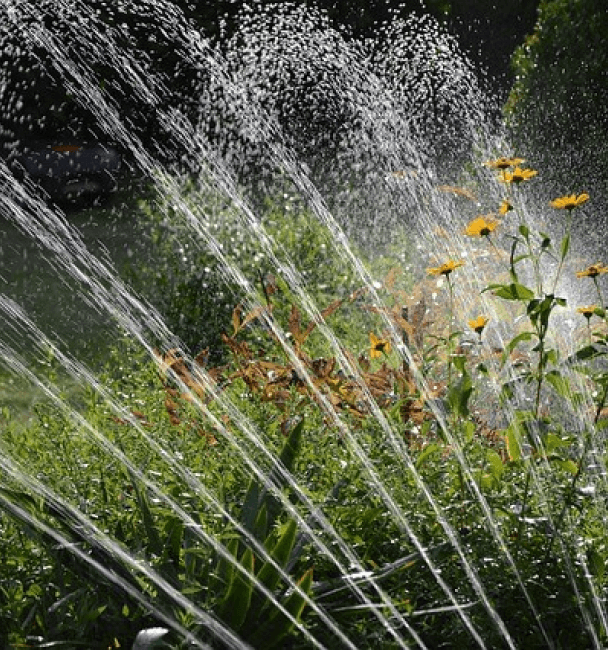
(354, 497)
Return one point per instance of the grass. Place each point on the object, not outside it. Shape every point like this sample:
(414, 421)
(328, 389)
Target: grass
(443, 492)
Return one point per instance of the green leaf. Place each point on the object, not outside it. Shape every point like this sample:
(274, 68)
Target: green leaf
(278, 625)
(429, 450)
(513, 291)
(524, 231)
(496, 466)
(459, 395)
(565, 247)
(235, 605)
(269, 574)
(567, 465)
(554, 442)
(559, 383)
(514, 342)
(154, 544)
(225, 568)
(469, 431)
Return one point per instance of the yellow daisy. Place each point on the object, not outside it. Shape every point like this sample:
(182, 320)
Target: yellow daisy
(569, 202)
(478, 324)
(505, 206)
(517, 176)
(482, 226)
(504, 163)
(378, 347)
(445, 269)
(587, 311)
(592, 271)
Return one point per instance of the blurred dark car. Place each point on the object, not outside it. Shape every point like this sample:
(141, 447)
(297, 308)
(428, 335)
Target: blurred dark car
(69, 172)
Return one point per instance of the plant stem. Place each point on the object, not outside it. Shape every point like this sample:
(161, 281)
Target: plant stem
(570, 496)
(564, 251)
(449, 342)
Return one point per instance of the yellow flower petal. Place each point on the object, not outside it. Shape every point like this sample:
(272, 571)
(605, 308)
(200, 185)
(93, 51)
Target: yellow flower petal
(378, 347)
(587, 311)
(518, 175)
(482, 226)
(478, 324)
(445, 269)
(505, 206)
(569, 202)
(592, 271)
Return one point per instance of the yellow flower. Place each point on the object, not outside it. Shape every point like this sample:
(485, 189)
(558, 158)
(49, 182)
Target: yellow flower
(569, 202)
(592, 271)
(478, 324)
(504, 163)
(482, 226)
(517, 176)
(505, 206)
(378, 346)
(587, 311)
(445, 269)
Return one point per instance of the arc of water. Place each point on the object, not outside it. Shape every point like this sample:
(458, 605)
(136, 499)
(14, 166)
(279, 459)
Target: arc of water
(41, 224)
(87, 527)
(111, 120)
(472, 483)
(44, 39)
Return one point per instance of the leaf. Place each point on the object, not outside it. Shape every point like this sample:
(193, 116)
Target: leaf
(236, 318)
(269, 574)
(328, 311)
(559, 383)
(295, 325)
(256, 312)
(513, 343)
(429, 450)
(154, 544)
(513, 291)
(567, 465)
(513, 444)
(391, 276)
(496, 466)
(459, 394)
(235, 605)
(565, 247)
(278, 625)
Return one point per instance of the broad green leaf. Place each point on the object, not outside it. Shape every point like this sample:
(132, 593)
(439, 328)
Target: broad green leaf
(459, 395)
(514, 342)
(567, 465)
(496, 466)
(269, 574)
(235, 605)
(278, 624)
(559, 383)
(513, 444)
(513, 291)
(429, 450)
(553, 442)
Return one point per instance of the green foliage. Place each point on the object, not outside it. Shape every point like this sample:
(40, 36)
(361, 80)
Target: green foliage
(195, 292)
(262, 492)
(556, 108)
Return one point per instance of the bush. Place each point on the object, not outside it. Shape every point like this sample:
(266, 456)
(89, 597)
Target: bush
(557, 106)
(195, 291)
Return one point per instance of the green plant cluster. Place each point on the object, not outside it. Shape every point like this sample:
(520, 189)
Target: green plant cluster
(556, 107)
(327, 488)
(194, 291)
